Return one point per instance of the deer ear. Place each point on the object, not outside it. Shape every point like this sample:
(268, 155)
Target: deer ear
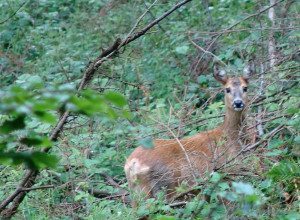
(220, 75)
(249, 71)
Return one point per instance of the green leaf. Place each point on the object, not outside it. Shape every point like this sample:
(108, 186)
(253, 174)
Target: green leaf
(46, 104)
(243, 188)
(91, 103)
(165, 217)
(224, 186)
(142, 211)
(81, 195)
(45, 116)
(202, 79)
(88, 106)
(182, 50)
(215, 177)
(36, 141)
(34, 160)
(115, 98)
(297, 139)
(275, 153)
(285, 171)
(160, 103)
(27, 78)
(252, 198)
(126, 114)
(292, 110)
(3, 145)
(216, 105)
(43, 160)
(291, 216)
(42, 128)
(146, 142)
(231, 196)
(12, 125)
(275, 143)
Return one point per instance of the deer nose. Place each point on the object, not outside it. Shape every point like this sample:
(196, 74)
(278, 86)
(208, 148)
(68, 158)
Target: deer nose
(238, 104)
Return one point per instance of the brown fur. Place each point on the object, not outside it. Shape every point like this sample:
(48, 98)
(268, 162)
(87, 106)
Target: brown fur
(166, 165)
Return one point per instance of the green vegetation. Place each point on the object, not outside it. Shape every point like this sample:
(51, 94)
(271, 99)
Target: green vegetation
(45, 48)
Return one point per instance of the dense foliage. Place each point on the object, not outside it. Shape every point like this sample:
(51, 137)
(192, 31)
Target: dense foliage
(158, 81)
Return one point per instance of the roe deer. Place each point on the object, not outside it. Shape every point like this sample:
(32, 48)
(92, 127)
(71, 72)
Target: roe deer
(172, 162)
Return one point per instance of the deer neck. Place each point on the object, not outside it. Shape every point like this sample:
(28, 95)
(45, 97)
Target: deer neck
(233, 123)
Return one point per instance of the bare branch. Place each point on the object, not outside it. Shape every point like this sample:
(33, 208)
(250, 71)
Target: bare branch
(252, 146)
(182, 148)
(237, 23)
(38, 187)
(206, 51)
(107, 195)
(140, 18)
(14, 13)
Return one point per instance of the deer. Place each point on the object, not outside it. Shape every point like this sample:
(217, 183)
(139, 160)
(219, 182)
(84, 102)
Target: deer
(172, 162)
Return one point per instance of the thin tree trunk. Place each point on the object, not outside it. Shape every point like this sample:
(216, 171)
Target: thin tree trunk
(272, 63)
(272, 44)
(259, 126)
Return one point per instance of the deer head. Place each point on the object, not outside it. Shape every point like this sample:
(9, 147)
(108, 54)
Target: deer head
(235, 87)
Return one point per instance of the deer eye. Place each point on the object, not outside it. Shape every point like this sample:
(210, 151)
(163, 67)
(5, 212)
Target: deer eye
(227, 90)
(245, 89)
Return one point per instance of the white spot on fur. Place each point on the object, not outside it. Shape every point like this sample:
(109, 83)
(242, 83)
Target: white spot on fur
(222, 73)
(134, 167)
